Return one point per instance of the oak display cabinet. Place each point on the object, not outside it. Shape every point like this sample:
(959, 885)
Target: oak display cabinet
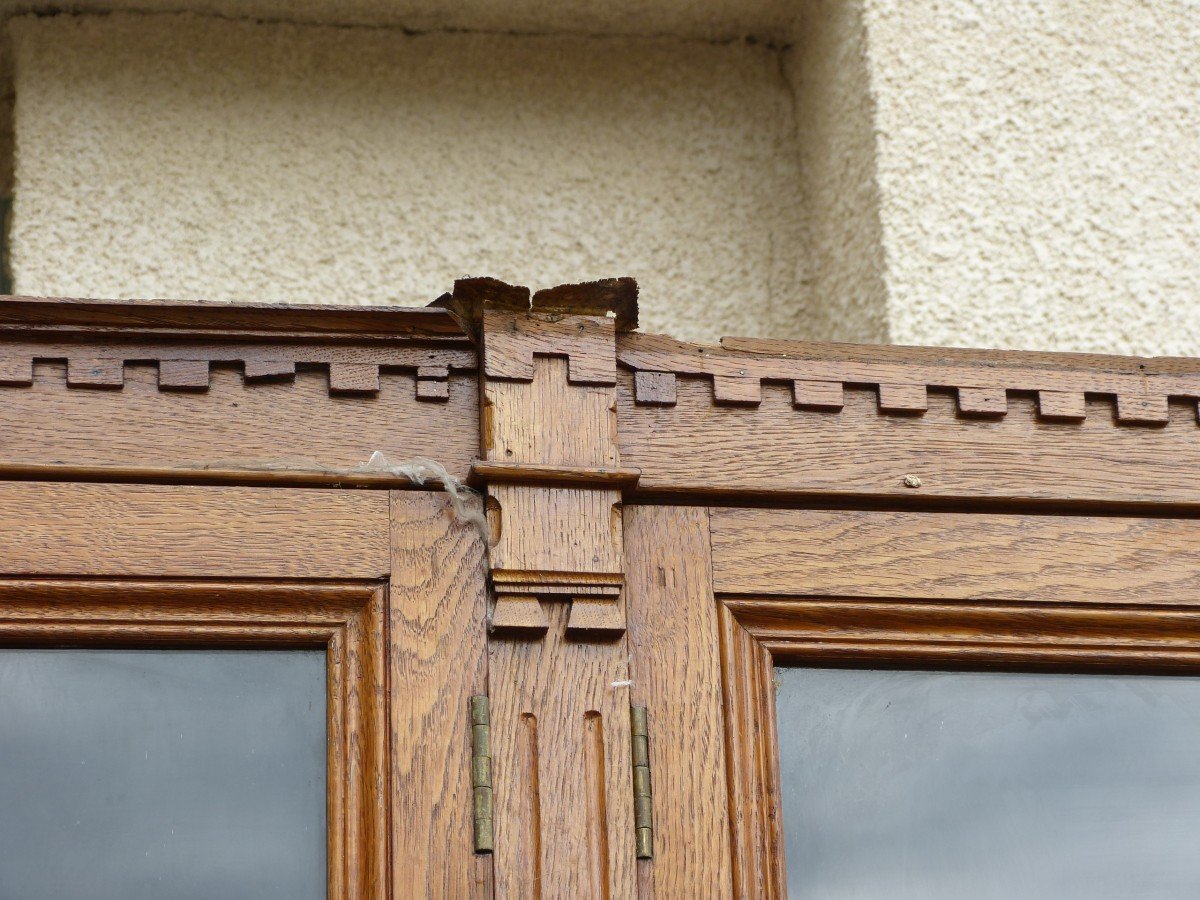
(562, 682)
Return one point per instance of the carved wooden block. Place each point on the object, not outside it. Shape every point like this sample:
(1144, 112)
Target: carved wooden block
(550, 454)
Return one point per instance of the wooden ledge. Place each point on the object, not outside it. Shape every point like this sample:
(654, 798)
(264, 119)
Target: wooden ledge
(483, 472)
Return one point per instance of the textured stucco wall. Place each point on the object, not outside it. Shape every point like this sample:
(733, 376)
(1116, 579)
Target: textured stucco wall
(1039, 172)
(829, 67)
(959, 172)
(190, 156)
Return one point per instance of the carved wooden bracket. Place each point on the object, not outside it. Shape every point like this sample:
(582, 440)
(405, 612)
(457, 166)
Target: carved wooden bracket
(549, 448)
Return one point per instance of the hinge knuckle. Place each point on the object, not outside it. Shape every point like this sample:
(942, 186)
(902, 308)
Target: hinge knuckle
(643, 793)
(481, 774)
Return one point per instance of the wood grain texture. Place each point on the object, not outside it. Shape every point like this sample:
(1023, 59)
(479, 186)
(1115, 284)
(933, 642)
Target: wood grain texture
(655, 388)
(518, 429)
(563, 781)
(344, 618)
(1143, 382)
(775, 450)
(956, 556)
(513, 338)
(264, 430)
(963, 634)
(675, 666)
(752, 764)
(438, 660)
(69, 315)
(51, 528)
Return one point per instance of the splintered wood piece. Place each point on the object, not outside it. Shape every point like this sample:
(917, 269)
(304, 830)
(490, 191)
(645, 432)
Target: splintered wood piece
(977, 401)
(100, 373)
(595, 617)
(737, 390)
(183, 374)
(1142, 409)
(903, 398)
(1067, 406)
(817, 394)
(654, 388)
(518, 614)
(269, 369)
(16, 370)
(353, 378)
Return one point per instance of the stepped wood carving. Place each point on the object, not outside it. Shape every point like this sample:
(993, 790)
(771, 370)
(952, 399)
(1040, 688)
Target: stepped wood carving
(549, 450)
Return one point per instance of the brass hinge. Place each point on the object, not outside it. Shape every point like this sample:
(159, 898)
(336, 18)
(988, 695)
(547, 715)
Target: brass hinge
(643, 814)
(481, 773)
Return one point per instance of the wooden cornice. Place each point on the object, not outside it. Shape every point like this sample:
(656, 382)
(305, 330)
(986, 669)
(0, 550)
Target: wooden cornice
(224, 320)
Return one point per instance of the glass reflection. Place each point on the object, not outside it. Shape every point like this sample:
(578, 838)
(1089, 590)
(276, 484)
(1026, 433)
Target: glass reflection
(162, 774)
(924, 785)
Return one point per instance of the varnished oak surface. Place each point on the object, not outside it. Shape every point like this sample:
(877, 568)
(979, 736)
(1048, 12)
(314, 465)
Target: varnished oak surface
(161, 531)
(346, 619)
(673, 634)
(438, 660)
(931, 590)
(947, 556)
(774, 450)
(273, 430)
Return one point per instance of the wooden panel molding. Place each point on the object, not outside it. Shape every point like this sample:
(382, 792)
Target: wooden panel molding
(903, 375)
(932, 590)
(346, 619)
(162, 531)
(779, 419)
(675, 668)
(558, 674)
(554, 481)
(205, 392)
(956, 556)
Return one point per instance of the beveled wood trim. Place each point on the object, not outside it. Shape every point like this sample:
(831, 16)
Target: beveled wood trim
(760, 633)
(162, 531)
(752, 763)
(62, 314)
(344, 618)
(483, 471)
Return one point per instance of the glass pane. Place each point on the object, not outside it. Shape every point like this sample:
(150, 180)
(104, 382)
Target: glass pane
(162, 774)
(927, 785)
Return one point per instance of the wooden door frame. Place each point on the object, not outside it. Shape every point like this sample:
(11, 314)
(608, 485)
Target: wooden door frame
(345, 620)
(322, 445)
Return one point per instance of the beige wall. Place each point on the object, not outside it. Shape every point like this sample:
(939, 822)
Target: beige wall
(1021, 174)
(199, 157)
(1036, 170)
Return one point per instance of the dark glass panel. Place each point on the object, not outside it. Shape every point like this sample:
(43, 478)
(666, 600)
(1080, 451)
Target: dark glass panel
(920, 785)
(162, 775)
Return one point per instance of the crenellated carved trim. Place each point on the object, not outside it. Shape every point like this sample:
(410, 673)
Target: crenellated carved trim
(353, 369)
(902, 377)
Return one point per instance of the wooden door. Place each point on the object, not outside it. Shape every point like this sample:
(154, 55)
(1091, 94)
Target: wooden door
(388, 585)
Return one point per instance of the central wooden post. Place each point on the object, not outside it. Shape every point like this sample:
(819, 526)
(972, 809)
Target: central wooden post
(558, 656)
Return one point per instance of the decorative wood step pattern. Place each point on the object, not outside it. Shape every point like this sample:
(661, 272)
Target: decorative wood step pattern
(185, 366)
(902, 377)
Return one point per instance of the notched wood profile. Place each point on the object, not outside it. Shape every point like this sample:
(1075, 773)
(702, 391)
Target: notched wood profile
(554, 482)
(902, 376)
